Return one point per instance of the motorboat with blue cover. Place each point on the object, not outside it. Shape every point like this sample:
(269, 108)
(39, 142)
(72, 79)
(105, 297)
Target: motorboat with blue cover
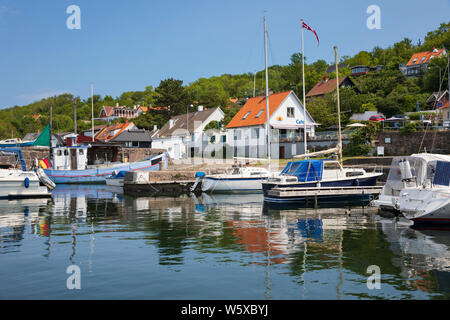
(317, 174)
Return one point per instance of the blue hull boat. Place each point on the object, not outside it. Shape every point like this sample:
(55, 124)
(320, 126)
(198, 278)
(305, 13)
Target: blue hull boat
(100, 174)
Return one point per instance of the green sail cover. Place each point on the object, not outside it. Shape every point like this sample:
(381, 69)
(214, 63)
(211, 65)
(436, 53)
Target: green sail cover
(44, 138)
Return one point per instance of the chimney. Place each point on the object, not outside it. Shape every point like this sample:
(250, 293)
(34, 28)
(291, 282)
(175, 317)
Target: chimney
(170, 123)
(200, 108)
(270, 92)
(325, 79)
(155, 127)
(117, 105)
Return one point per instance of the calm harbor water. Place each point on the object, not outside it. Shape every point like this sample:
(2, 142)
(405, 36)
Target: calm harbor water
(211, 247)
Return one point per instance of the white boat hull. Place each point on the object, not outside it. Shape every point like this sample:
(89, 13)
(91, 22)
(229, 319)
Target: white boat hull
(13, 185)
(425, 205)
(232, 184)
(114, 182)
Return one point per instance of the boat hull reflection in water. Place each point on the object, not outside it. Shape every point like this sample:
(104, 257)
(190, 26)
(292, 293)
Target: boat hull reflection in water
(211, 247)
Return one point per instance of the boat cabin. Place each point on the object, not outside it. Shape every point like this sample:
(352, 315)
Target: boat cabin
(70, 158)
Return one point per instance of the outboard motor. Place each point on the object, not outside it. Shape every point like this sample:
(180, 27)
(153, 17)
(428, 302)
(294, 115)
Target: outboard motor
(199, 175)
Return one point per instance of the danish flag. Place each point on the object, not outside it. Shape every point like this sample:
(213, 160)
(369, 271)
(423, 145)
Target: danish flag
(304, 25)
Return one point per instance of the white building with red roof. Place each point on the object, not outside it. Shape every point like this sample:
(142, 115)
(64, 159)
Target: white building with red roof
(419, 61)
(247, 130)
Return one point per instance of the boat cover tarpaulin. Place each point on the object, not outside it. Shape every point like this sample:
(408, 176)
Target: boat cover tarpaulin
(442, 173)
(305, 171)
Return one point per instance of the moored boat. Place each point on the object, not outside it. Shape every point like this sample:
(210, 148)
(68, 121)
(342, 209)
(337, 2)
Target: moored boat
(407, 172)
(20, 183)
(116, 179)
(430, 202)
(70, 166)
(317, 175)
(239, 179)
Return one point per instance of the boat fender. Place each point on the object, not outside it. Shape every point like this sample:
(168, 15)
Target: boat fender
(27, 182)
(357, 182)
(200, 174)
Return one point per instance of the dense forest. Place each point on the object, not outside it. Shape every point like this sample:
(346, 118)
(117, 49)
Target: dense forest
(388, 91)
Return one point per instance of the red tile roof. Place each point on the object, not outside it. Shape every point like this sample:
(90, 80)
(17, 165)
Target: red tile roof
(253, 107)
(324, 87)
(105, 134)
(423, 57)
(109, 111)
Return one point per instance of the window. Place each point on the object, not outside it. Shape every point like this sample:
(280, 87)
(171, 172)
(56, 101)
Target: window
(259, 113)
(213, 139)
(58, 153)
(80, 152)
(290, 112)
(224, 138)
(135, 144)
(415, 60)
(354, 174)
(423, 59)
(66, 152)
(255, 133)
(246, 115)
(237, 135)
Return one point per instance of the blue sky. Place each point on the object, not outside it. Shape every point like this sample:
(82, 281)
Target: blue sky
(128, 45)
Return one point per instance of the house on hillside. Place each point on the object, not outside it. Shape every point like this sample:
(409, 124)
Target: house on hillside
(418, 63)
(328, 86)
(108, 113)
(247, 133)
(136, 138)
(109, 132)
(363, 70)
(438, 99)
(183, 135)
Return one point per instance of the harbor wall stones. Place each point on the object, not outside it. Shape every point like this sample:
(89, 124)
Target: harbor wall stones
(397, 144)
(29, 154)
(137, 154)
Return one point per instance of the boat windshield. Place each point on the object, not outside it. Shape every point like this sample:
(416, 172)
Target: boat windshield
(394, 182)
(442, 173)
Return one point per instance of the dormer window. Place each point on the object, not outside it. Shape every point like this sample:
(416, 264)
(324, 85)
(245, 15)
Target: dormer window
(415, 60)
(259, 113)
(246, 115)
(423, 59)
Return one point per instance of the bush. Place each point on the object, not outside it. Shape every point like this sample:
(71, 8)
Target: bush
(408, 128)
(426, 115)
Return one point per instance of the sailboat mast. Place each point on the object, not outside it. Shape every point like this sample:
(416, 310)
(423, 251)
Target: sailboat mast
(254, 84)
(304, 93)
(92, 107)
(267, 93)
(75, 115)
(338, 105)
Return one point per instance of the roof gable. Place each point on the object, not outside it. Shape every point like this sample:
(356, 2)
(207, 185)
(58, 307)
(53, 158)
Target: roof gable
(254, 111)
(194, 119)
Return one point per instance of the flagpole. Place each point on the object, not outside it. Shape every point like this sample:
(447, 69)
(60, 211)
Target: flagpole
(304, 92)
(92, 118)
(338, 105)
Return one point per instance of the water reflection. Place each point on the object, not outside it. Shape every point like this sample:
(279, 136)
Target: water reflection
(306, 253)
